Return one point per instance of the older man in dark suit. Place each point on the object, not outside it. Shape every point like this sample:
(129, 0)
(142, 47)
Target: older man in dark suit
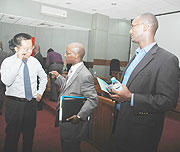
(38, 56)
(150, 88)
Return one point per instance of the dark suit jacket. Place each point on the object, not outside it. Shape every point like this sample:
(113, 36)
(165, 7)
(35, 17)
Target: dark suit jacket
(81, 84)
(39, 57)
(154, 83)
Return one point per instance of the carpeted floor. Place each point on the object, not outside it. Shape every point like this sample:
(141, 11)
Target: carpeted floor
(47, 137)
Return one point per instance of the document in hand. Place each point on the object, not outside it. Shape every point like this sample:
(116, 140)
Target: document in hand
(69, 106)
(103, 85)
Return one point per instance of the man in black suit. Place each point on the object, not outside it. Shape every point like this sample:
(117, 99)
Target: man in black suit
(150, 88)
(38, 56)
(3, 55)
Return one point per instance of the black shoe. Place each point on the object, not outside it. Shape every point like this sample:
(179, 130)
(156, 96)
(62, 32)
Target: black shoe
(0, 113)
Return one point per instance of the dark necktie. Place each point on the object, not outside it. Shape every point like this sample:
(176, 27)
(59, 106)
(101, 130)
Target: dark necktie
(27, 83)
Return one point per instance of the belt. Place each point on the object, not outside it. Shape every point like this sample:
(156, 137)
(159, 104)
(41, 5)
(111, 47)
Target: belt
(56, 63)
(20, 99)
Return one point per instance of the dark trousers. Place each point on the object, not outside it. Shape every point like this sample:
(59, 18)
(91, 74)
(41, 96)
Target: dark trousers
(70, 146)
(20, 117)
(54, 87)
(39, 103)
(2, 91)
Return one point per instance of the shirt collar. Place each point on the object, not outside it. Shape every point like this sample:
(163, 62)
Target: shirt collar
(146, 49)
(76, 66)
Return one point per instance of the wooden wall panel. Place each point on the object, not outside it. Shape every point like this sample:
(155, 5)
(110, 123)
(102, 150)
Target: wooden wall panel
(107, 62)
(102, 121)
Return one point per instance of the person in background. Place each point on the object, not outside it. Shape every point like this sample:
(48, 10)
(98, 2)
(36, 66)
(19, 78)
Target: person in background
(54, 62)
(1, 46)
(19, 73)
(150, 88)
(38, 56)
(3, 55)
(79, 82)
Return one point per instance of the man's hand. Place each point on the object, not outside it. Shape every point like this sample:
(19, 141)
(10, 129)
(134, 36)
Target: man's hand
(54, 74)
(38, 98)
(74, 119)
(123, 95)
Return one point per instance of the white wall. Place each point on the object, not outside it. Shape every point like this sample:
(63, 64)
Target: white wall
(168, 34)
(57, 39)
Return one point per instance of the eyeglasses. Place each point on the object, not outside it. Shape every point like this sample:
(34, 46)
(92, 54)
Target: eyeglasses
(27, 49)
(69, 53)
(132, 26)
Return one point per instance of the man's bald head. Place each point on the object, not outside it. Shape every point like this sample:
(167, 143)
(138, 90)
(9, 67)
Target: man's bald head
(36, 49)
(150, 19)
(77, 48)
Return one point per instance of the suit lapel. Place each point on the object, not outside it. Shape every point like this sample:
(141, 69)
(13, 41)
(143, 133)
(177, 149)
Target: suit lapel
(73, 77)
(142, 64)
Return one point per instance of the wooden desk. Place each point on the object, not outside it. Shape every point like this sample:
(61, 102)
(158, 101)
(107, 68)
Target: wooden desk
(102, 122)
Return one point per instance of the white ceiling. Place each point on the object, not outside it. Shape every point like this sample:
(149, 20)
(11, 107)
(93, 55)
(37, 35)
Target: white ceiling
(7, 18)
(120, 9)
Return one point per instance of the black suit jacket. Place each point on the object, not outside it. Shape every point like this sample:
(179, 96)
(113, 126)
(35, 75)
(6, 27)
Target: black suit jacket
(154, 83)
(39, 57)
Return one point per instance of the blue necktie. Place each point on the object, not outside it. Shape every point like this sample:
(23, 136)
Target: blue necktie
(139, 56)
(27, 83)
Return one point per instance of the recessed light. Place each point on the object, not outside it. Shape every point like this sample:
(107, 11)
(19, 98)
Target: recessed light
(68, 3)
(113, 3)
(12, 18)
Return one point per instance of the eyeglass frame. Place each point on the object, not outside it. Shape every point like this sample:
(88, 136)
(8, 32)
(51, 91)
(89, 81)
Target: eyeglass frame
(27, 49)
(132, 26)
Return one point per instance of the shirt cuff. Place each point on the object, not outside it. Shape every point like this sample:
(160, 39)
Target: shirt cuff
(78, 116)
(132, 100)
(58, 76)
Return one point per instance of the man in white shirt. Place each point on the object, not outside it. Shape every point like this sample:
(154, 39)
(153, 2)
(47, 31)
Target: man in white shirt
(19, 73)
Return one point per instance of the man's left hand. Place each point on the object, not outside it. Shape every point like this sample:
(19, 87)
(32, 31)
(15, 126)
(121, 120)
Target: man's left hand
(74, 119)
(38, 98)
(123, 95)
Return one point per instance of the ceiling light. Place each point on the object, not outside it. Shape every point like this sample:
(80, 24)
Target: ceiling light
(12, 18)
(114, 4)
(68, 3)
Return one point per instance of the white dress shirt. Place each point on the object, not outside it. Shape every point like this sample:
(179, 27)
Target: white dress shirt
(12, 76)
(73, 70)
